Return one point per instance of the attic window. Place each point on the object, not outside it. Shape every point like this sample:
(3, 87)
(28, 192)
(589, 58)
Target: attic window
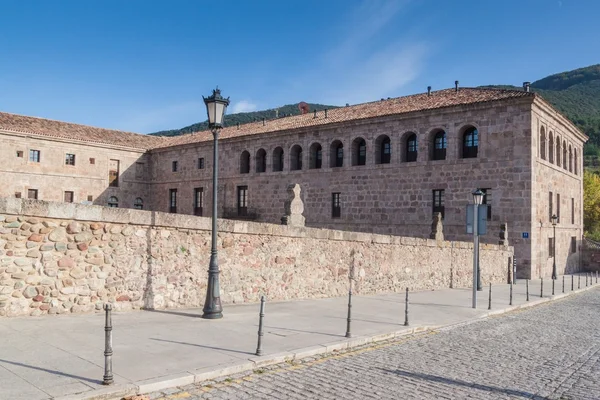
(19, 153)
(92, 161)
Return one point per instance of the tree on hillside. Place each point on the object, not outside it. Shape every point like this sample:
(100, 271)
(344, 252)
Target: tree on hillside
(591, 205)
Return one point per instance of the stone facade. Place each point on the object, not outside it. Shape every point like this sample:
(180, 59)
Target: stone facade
(374, 196)
(59, 258)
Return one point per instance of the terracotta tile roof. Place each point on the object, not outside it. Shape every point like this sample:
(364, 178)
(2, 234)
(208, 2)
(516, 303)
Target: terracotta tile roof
(398, 105)
(66, 130)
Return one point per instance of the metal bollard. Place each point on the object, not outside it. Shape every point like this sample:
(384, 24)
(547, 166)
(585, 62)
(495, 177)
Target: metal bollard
(578, 281)
(511, 294)
(490, 298)
(527, 288)
(514, 270)
(586, 279)
(349, 319)
(563, 286)
(406, 309)
(553, 286)
(572, 282)
(596, 276)
(108, 352)
(261, 316)
(541, 287)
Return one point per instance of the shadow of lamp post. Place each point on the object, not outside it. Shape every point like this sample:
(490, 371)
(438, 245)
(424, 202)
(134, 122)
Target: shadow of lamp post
(215, 108)
(554, 219)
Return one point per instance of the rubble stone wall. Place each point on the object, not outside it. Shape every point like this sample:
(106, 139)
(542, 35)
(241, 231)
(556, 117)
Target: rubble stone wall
(60, 258)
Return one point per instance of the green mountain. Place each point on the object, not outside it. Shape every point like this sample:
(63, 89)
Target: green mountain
(246, 117)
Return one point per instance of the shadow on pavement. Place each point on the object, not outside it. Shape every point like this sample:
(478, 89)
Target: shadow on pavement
(53, 372)
(448, 381)
(203, 346)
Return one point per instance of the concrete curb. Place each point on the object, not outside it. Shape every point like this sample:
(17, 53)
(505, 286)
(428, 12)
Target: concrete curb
(208, 373)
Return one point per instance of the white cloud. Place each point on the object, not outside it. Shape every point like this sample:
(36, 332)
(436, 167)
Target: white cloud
(243, 106)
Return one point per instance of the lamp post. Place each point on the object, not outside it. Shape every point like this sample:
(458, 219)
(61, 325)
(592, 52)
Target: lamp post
(215, 108)
(477, 200)
(554, 219)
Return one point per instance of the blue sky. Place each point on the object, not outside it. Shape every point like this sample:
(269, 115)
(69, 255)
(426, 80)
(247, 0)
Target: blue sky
(142, 65)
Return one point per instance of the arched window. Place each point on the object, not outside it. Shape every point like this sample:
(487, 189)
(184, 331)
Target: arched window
(470, 143)
(138, 204)
(245, 163)
(359, 152)
(542, 143)
(440, 143)
(296, 158)
(261, 160)
(336, 154)
(278, 159)
(316, 156)
(551, 148)
(570, 159)
(575, 163)
(113, 201)
(412, 147)
(383, 150)
(557, 151)
(565, 157)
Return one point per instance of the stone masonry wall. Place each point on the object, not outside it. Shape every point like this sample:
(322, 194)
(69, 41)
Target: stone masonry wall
(60, 258)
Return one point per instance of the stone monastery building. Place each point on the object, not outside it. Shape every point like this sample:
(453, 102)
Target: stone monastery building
(382, 167)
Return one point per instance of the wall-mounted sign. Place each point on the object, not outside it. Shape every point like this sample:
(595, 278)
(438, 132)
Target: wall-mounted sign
(525, 235)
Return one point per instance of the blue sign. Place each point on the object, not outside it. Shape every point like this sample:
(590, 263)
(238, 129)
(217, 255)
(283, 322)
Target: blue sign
(525, 235)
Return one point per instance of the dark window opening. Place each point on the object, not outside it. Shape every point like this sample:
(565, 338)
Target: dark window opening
(316, 156)
(69, 197)
(90, 198)
(296, 158)
(70, 159)
(198, 201)
(572, 210)
(245, 163)
(558, 207)
(550, 247)
(336, 209)
(336, 155)
(32, 194)
(242, 200)
(92, 161)
(440, 143)
(138, 204)
(573, 244)
(487, 199)
(411, 148)
(383, 150)
(173, 201)
(550, 206)
(18, 195)
(261, 161)
(201, 163)
(113, 173)
(113, 202)
(19, 154)
(470, 143)
(361, 152)
(438, 201)
(174, 166)
(278, 159)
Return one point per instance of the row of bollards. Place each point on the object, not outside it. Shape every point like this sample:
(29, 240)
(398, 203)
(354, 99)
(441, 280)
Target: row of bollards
(108, 378)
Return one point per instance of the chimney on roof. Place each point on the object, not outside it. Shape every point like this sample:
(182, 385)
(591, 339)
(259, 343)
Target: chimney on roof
(456, 86)
(277, 113)
(325, 113)
(238, 125)
(526, 86)
(428, 90)
(347, 105)
(264, 121)
(314, 114)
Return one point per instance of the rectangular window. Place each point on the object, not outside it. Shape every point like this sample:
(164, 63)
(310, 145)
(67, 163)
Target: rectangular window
(201, 163)
(18, 195)
(113, 173)
(174, 166)
(173, 201)
(70, 159)
(34, 156)
(550, 206)
(139, 170)
(438, 201)
(242, 198)
(572, 210)
(573, 244)
(92, 161)
(69, 197)
(32, 194)
(558, 207)
(487, 199)
(90, 198)
(550, 247)
(19, 154)
(198, 201)
(336, 207)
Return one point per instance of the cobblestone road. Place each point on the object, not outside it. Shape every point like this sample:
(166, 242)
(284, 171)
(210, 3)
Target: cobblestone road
(550, 351)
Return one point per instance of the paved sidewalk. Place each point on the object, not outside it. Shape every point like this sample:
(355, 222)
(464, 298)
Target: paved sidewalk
(62, 356)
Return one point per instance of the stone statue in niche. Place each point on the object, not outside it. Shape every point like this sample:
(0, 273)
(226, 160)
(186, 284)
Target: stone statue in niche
(437, 228)
(294, 207)
(503, 234)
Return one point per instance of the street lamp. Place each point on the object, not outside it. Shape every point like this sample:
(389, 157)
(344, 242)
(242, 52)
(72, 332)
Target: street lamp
(554, 219)
(215, 108)
(477, 200)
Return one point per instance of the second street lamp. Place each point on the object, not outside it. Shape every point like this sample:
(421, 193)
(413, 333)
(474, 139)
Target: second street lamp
(554, 219)
(215, 108)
